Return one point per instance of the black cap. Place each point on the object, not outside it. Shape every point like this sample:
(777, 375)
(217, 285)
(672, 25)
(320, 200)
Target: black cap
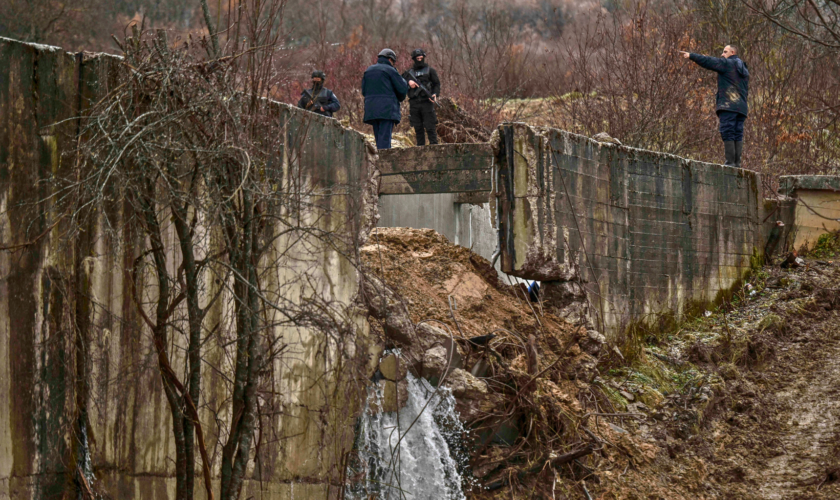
(417, 52)
(319, 74)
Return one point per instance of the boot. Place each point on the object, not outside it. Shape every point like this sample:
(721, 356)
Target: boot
(739, 147)
(729, 152)
(433, 138)
(420, 132)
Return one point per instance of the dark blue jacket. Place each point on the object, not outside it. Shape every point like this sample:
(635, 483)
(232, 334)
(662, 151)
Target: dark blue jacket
(733, 81)
(325, 99)
(383, 89)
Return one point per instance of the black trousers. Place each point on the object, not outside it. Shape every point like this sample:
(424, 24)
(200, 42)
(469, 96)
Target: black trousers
(382, 133)
(731, 126)
(423, 118)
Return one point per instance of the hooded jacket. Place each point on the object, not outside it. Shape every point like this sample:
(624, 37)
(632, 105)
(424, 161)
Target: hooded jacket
(383, 89)
(733, 81)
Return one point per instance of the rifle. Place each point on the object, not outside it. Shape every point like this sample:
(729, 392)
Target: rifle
(312, 99)
(422, 87)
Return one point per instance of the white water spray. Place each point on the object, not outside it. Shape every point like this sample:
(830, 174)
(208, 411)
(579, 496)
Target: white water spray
(415, 465)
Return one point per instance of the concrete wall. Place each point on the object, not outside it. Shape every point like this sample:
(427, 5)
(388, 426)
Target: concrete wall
(648, 233)
(443, 187)
(441, 168)
(71, 340)
(817, 206)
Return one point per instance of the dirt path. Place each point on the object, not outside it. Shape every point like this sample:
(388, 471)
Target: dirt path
(773, 432)
(778, 437)
(813, 426)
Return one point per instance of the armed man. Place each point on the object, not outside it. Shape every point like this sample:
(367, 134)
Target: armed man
(319, 99)
(383, 89)
(731, 103)
(422, 97)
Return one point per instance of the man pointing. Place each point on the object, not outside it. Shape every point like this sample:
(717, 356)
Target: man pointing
(731, 102)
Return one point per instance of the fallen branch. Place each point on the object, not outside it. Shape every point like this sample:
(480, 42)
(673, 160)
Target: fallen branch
(554, 462)
(667, 359)
(568, 457)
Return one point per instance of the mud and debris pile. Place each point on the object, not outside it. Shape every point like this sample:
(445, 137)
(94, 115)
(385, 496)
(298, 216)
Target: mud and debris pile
(523, 378)
(741, 402)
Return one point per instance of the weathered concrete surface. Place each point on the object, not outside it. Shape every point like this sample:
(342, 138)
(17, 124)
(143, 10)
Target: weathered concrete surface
(649, 234)
(443, 187)
(45, 380)
(37, 92)
(817, 206)
(442, 168)
(788, 184)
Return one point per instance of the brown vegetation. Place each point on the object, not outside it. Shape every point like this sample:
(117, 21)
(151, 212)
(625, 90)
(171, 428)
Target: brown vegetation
(612, 68)
(738, 404)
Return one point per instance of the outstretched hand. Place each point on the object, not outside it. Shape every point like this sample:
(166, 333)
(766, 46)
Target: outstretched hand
(685, 54)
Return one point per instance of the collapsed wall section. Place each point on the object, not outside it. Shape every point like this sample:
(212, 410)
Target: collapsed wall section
(444, 187)
(646, 234)
(73, 349)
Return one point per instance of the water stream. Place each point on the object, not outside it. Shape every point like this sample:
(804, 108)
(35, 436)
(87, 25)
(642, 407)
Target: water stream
(422, 463)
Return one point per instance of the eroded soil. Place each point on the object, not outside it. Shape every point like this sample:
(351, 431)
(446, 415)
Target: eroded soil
(742, 403)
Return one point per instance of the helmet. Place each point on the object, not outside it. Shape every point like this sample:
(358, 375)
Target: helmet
(319, 74)
(417, 52)
(390, 54)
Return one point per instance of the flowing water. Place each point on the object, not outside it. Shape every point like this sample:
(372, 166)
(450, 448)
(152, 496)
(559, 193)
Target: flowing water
(401, 461)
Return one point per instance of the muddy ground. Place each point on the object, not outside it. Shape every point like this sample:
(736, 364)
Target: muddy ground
(772, 429)
(742, 402)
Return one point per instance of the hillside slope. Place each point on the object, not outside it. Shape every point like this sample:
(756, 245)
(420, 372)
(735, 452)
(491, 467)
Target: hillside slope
(743, 402)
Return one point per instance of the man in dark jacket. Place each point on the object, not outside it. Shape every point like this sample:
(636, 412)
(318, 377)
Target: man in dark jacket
(422, 105)
(319, 99)
(383, 89)
(731, 105)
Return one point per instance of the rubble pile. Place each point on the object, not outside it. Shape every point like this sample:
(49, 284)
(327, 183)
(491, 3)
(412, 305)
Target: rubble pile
(523, 378)
(740, 402)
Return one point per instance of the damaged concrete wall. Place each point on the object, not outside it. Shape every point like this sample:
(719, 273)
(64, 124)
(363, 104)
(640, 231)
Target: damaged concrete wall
(63, 355)
(648, 234)
(443, 187)
(817, 210)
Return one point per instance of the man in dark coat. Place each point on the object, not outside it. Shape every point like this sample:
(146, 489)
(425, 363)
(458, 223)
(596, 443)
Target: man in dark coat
(383, 89)
(731, 105)
(319, 99)
(421, 104)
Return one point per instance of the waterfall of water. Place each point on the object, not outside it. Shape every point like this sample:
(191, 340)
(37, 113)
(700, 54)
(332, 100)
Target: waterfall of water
(424, 464)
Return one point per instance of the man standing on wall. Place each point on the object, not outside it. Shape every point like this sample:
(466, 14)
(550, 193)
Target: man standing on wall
(425, 87)
(731, 103)
(319, 99)
(383, 89)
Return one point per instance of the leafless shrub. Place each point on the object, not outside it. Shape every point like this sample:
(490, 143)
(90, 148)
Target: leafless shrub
(625, 78)
(188, 168)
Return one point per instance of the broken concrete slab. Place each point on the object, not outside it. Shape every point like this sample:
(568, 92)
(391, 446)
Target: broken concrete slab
(442, 168)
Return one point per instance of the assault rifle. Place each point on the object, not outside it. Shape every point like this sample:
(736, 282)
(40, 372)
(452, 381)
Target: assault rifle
(312, 99)
(422, 87)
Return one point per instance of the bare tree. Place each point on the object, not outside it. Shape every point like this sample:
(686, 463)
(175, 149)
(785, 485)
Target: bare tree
(817, 21)
(202, 157)
(628, 82)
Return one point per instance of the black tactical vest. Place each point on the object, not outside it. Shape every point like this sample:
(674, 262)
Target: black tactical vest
(322, 98)
(422, 75)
